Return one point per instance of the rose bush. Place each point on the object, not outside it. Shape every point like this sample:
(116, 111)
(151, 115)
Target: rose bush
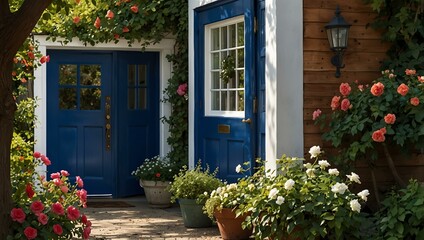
(388, 112)
(45, 209)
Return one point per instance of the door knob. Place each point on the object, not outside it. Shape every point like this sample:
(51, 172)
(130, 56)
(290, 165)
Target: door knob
(246, 120)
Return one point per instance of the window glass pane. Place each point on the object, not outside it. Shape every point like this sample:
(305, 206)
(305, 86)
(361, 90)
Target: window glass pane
(215, 61)
(224, 99)
(131, 98)
(224, 40)
(215, 39)
(232, 82)
(240, 76)
(215, 80)
(215, 101)
(67, 98)
(232, 101)
(240, 34)
(131, 75)
(90, 75)
(68, 74)
(142, 98)
(240, 101)
(240, 57)
(232, 35)
(90, 98)
(142, 75)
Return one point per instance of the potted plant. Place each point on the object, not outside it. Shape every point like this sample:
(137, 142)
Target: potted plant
(191, 188)
(155, 176)
(305, 201)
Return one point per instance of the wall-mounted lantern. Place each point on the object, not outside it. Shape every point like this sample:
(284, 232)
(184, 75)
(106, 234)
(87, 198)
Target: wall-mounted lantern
(338, 35)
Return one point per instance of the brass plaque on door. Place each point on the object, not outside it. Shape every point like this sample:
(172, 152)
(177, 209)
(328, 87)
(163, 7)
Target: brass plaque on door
(223, 128)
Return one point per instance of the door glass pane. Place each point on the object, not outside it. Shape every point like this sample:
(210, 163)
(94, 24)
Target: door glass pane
(90, 98)
(215, 101)
(215, 38)
(224, 36)
(240, 57)
(67, 98)
(240, 34)
(142, 96)
(142, 75)
(224, 100)
(68, 74)
(232, 35)
(215, 80)
(131, 99)
(232, 101)
(215, 61)
(240, 104)
(90, 75)
(131, 75)
(240, 76)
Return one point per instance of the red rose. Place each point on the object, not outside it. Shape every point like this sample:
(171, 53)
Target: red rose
(37, 207)
(29, 191)
(134, 9)
(42, 218)
(45, 59)
(72, 213)
(97, 23)
(18, 215)
(37, 155)
(345, 89)
(86, 233)
(415, 101)
(157, 175)
(335, 102)
(109, 14)
(116, 36)
(377, 89)
(57, 208)
(45, 160)
(125, 29)
(57, 229)
(403, 89)
(31, 55)
(84, 219)
(345, 104)
(76, 20)
(30, 233)
(390, 118)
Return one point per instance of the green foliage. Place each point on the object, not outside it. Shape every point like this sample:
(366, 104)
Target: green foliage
(305, 201)
(402, 23)
(360, 117)
(194, 183)
(402, 214)
(156, 169)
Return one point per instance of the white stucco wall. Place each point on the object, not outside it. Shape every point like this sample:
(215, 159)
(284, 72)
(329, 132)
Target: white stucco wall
(284, 78)
(164, 48)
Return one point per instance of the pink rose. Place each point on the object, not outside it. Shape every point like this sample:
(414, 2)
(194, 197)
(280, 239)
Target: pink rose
(345, 105)
(45, 160)
(18, 215)
(377, 89)
(345, 89)
(64, 188)
(37, 155)
(403, 89)
(72, 213)
(97, 23)
(410, 72)
(30, 233)
(42, 218)
(361, 87)
(82, 194)
(421, 79)
(335, 102)
(390, 118)
(55, 175)
(109, 14)
(45, 59)
(57, 182)
(37, 207)
(79, 182)
(57, 229)
(64, 173)
(76, 20)
(182, 89)
(57, 208)
(134, 9)
(125, 29)
(316, 114)
(378, 135)
(415, 101)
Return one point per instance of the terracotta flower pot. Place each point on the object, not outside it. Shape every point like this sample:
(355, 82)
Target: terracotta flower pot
(157, 194)
(230, 226)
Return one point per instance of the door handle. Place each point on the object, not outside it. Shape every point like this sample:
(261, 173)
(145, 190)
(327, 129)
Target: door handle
(108, 126)
(246, 120)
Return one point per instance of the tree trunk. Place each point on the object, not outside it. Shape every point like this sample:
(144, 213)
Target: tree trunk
(15, 27)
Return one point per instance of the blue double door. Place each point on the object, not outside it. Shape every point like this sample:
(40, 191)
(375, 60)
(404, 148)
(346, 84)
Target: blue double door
(230, 85)
(102, 117)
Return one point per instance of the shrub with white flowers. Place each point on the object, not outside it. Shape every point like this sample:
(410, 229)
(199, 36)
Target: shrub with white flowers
(305, 201)
(156, 169)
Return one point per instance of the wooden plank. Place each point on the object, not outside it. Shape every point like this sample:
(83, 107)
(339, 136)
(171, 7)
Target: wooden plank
(354, 45)
(321, 90)
(345, 6)
(327, 77)
(321, 15)
(354, 61)
(317, 30)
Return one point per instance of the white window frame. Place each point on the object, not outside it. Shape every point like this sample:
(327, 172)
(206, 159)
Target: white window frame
(207, 75)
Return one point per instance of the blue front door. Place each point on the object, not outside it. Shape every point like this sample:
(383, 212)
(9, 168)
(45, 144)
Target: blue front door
(226, 102)
(101, 108)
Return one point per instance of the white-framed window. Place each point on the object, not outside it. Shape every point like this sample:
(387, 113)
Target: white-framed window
(224, 68)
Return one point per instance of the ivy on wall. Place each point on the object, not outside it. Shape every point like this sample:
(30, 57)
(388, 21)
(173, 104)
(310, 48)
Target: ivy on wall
(104, 21)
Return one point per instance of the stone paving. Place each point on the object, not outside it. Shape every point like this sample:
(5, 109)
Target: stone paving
(142, 222)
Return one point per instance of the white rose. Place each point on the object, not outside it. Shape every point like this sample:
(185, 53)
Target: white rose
(205, 193)
(238, 168)
(333, 171)
(251, 187)
(355, 206)
(289, 184)
(314, 151)
(310, 172)
(307, 165)
(354, 177)
(280, 200)
(218, 190)
(273, 193)
(363, 194)
(339, 188)
(323, 164)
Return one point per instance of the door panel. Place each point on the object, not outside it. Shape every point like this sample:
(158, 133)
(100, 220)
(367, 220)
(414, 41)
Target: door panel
(225, 121)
